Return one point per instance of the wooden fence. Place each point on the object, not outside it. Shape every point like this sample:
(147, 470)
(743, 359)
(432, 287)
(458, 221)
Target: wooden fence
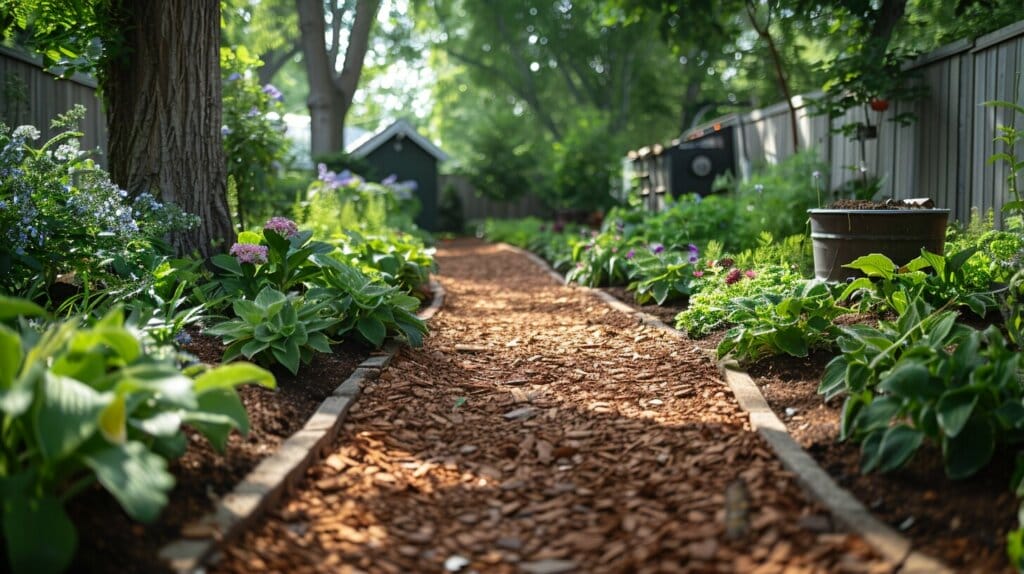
(476, 206)
(943, 154)
(29, 95)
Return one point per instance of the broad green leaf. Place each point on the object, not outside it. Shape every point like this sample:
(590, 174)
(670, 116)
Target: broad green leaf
(270, 301)
(954, 409)
(372, 330)
(910, 382)
(319, 342)
(13, 307)
(220, 411)
(856, 285)
(230, 376)
(136, 477)
(163, 424)
(250, 238)
(10, 356)
(254, 347)
(245, 310)
(871, 451)
(40, 537)
(66, 415)
(938, 333)
(112, 421)
(287, 355)
(791, 341)
(898, 444)
(969, 451)
(227, 263)
(832, 381)
(877, 414)
(873, 265)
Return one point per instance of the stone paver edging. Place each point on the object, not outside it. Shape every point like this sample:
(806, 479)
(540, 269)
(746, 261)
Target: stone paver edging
(274, 475)
(849, 511)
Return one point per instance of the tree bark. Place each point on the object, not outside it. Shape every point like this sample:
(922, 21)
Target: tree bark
(330, 96)
(163, 98)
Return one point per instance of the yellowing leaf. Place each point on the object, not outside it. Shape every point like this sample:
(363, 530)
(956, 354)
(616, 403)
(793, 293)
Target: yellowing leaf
(112, 421)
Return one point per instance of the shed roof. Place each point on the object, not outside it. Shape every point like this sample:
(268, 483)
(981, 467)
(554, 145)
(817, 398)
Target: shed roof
(365, 145)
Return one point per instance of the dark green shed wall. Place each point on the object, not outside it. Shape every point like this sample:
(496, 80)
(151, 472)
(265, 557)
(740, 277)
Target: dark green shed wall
(410, 162)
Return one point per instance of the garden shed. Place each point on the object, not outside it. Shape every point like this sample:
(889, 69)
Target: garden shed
(400, 150)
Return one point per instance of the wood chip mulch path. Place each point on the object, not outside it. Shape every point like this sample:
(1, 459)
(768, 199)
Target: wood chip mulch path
(539, 431)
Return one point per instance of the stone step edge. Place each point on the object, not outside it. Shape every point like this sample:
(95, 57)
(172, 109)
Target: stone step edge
(276, 474)
(845, 507)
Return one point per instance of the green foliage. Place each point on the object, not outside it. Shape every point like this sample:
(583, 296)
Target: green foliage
(586, 162)
(276, 328)
(1010, 137)
(707, 309)
(926, 377)
(268, 258)
(772, 324)
(365, 308)
(604, 259)
(340, 202)
(663, 277)
(61, 215)
(253, 135)
(399, 259)
(948, 283)
(86, 404)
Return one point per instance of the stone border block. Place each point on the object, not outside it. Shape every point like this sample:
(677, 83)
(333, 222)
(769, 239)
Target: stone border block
(885, 540)
(274, 475)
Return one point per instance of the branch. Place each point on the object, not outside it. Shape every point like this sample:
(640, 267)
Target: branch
(355, 52)
(274, 60)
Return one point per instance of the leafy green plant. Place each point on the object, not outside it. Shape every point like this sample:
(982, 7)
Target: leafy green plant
(896, 286)
(707, 308)
(926, 377)
(602, 260)
(86, 404)
(1010, 137)
(164, 319)
(771, 324)
(399, 259)
(279, 257)
(663, 277)
(276, 328)
(364, 307)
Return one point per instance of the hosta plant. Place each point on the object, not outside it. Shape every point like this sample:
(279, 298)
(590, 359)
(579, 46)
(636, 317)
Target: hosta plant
(364, 307)
(399, 259)
(662, 277)
(925, 376)
(602, 260)
(82, 405)
(276, 328)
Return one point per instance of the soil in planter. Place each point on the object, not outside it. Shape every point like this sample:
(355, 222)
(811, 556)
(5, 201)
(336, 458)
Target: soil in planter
(879, 205)
(109, 541)
(962, 522)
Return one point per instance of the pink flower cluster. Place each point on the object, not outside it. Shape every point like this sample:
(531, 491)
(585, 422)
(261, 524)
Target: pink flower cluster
(249, 253)
(282, 225)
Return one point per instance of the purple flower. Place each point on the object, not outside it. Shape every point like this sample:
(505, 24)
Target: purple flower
(273, 92)
(657, 248)
(249, 253)
(234, 76)
(630, 254)
(389, 180)
(282, 225)
(225, 131)
(693, 258)
(253, 112)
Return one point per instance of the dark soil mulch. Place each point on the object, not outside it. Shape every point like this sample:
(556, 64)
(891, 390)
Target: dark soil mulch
(962, 522)
(666, 314)
(879, 205)
(109, 541)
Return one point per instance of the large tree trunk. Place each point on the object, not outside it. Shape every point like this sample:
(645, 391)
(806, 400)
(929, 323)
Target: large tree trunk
(330, 94)
(163, 96)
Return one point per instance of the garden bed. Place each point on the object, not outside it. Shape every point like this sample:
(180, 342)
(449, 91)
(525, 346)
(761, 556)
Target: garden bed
(963, 523)
(203, 475)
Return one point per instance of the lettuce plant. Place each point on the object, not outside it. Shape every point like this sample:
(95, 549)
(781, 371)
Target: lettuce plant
(275, 328)
(81, 405)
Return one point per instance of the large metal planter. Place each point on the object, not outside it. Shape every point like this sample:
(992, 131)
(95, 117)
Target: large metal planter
(841, 235)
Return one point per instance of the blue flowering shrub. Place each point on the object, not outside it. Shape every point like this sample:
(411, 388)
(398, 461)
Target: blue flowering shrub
(254, 138)
(62, 217)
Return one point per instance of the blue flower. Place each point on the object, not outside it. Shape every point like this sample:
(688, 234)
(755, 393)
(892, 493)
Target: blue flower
(225, 131)
(389, 180)
(253, 112)
(234, 76)
(273, 92)
(182, 338)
